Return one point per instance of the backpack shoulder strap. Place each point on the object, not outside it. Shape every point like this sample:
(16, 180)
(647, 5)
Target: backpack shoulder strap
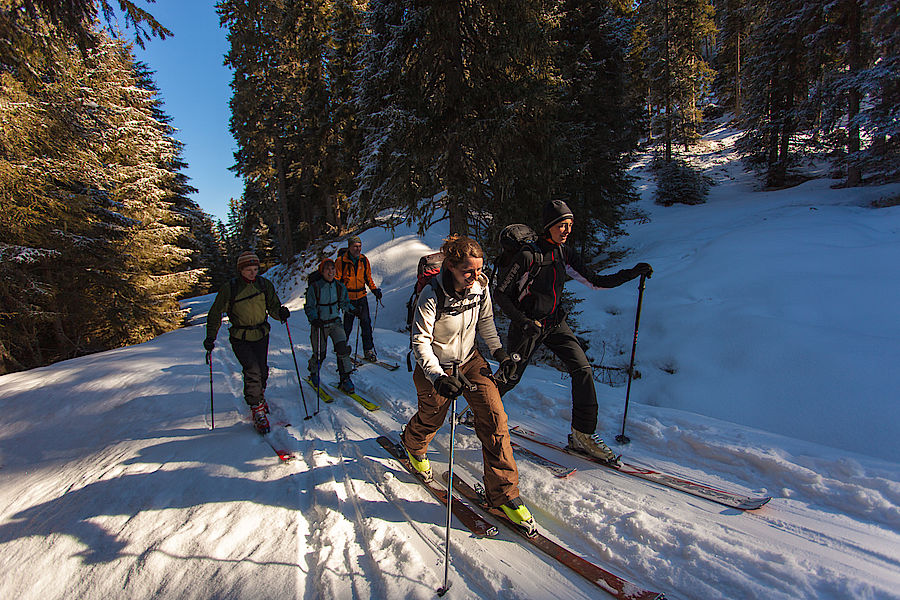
(232, 290)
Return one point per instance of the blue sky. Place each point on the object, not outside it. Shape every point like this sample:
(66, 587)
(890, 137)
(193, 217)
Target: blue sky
(193, 82)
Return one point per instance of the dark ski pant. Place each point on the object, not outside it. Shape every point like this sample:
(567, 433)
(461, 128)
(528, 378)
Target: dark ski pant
(365, 322)
(319, 338)
(501, 476)
(253, 357)
(562, 342)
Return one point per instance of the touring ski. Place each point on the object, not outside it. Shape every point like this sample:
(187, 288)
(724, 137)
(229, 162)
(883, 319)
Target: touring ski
(369, 405)
(612, 584)
(381, 363)
(468, 517)
(325, 396)
(558, 470)
(279, 439)
(726, 498)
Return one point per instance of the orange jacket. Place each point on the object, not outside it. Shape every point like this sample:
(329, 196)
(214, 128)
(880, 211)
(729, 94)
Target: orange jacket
(355, 277)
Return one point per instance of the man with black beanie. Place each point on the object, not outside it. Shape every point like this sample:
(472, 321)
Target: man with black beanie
(529, 293)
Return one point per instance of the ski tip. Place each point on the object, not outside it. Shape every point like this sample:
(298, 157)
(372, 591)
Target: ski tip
(566, 474)
(754, 503)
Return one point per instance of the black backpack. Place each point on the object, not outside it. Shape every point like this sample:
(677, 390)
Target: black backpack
(512, 239)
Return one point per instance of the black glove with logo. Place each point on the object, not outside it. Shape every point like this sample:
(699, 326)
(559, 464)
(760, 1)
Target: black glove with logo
(377, 293)
(507, 364)
(531, 328)
(317, 323)
(448, 386)
(209, 344)
(283, 314)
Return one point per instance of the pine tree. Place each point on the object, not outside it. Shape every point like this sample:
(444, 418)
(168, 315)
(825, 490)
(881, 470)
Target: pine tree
(779, 77)
(733, 20)
(85, 224)
(600, 120)
(344, 141)
(455, 87)
(679, 74)
(881, 119)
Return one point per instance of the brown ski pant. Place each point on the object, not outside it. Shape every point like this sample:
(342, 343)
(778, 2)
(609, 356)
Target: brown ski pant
(501, 477)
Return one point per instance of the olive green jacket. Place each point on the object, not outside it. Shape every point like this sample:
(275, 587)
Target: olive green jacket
(246, 305)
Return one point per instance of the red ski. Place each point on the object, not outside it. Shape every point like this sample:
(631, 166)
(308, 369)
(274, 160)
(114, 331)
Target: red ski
(608, 582)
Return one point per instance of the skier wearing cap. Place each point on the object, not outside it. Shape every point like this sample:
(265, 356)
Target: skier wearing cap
(531, 299)
(326, 301)
(247, 300)
(353, 269)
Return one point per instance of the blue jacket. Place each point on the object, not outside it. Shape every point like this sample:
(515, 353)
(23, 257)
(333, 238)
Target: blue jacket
(326, 301)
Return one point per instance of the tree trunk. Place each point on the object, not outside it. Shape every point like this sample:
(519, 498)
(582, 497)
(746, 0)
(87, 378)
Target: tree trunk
(854, 60)
(737, 78)
(668, 90)
(284, 222)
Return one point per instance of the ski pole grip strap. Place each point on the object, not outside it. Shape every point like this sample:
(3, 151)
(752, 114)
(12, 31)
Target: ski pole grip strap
(469, 385)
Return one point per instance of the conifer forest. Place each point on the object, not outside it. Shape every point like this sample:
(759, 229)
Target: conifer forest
(348, 111)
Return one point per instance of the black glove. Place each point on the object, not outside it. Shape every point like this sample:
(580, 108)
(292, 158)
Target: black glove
(507, 364)
(377, 293)
(448, 386)
(318, 323)
(283, 314)
(642, 269)
(209, 343)
(530, 328)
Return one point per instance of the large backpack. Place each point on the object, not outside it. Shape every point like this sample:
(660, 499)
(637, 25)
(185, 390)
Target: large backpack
(429, 266)
(260, 288)
(514, 238)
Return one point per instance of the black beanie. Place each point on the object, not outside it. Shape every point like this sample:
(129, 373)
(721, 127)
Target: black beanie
(554, 212)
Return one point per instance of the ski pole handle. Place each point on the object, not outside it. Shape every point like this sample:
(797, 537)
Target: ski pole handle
(498, 376)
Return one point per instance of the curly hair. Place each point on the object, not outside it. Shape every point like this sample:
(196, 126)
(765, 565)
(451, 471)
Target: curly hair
(458, 248)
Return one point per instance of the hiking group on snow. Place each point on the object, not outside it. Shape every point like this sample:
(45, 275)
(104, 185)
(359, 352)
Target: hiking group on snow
(451, 304)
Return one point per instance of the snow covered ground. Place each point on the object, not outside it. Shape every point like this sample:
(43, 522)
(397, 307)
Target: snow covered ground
(768, 352)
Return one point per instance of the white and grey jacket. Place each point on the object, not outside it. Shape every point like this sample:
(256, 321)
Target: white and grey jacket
(439, 341)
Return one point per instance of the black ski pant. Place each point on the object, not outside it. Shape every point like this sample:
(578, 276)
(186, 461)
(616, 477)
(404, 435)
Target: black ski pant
(560, 340)
(253, 357)
(365, 322)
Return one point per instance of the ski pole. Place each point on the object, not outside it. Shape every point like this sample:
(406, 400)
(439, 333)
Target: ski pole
(212, 414)
(622, 438)
(443, 589)
(297, 369)
(320, 331)
(358, 327)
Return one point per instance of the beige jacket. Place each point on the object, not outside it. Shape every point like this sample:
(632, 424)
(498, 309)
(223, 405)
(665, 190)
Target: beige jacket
(437, 342)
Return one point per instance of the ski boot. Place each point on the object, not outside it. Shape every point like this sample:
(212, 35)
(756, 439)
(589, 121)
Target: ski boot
(260, 422)
(370, 355)
(421, 464)
(346, 385)
(521, 517)
(314, 379)
(592, 445)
